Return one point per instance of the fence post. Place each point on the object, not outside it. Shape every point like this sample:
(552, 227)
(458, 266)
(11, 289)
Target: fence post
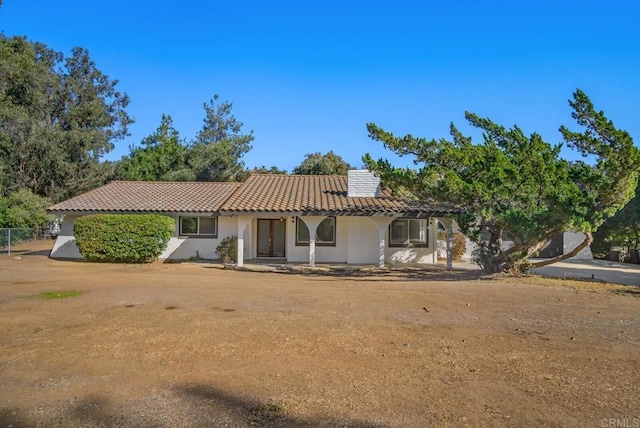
(9, 241)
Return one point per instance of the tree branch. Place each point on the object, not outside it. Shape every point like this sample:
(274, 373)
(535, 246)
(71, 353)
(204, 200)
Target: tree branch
(587, 241)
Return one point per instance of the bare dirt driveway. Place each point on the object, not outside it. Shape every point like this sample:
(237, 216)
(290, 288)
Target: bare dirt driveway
(181, 345)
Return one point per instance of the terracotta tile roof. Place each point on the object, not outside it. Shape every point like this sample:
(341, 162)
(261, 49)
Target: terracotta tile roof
(148, 196)
(315, 193)
(260, 193)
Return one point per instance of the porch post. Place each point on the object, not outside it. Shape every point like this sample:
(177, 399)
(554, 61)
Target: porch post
(382, 223)
(434, 238)
(312, 223)
(242, 224)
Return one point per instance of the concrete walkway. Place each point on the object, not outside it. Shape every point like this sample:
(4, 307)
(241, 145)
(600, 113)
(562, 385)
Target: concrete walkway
(601, 270)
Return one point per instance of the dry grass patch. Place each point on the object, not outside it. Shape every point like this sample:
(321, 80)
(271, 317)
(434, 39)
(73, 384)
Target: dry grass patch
(194, 345)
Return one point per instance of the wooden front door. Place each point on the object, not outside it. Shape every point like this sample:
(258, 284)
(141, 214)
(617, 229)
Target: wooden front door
(271, 237)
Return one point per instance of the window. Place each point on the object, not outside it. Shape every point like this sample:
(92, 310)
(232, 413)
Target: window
(406, 232)
(205, 226)
(325, 233)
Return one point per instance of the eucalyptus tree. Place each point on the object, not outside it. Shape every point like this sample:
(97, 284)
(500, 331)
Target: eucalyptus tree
(58, 117)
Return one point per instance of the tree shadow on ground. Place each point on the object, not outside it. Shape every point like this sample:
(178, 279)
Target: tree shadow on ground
(384, 274)
(631, 290)
(24, 252)
(245, 411)
(194, 405)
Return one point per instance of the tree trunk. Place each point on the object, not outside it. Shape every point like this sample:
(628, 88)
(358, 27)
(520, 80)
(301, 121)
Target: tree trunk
(587, 241)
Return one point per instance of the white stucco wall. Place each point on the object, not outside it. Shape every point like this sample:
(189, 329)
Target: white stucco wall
(356, 243)
(362, 241)
(571, 241)
(65, 246)
(414, 254)
(324, 254)
(178, 247)
(184, 247)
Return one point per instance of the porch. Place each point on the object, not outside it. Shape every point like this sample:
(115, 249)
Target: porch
(338, 239)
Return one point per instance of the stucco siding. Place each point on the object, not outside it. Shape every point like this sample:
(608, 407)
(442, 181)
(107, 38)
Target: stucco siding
(324, 254)
(183, 247)
(362, 241)
(65, 246)
(414, 254)
(572, 240)
(178, 247)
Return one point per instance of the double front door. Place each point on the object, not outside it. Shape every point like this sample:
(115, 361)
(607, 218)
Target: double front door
(271, 237)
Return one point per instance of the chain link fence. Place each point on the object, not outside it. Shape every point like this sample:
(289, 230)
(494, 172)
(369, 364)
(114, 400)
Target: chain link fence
(13, 236)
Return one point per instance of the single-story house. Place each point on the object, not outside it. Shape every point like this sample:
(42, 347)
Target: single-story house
(293, 218)
(289, 218)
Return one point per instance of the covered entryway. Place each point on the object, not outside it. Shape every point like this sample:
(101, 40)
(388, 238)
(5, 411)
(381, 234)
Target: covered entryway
(271, 237)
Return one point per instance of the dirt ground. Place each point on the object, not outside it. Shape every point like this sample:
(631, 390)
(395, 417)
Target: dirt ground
(181, 345)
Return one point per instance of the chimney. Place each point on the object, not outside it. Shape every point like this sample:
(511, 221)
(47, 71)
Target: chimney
(363, 183)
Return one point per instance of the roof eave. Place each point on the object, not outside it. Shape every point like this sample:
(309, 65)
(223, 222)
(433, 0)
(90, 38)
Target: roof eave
(90, 212)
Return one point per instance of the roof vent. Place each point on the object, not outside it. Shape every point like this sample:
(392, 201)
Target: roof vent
(363, 183)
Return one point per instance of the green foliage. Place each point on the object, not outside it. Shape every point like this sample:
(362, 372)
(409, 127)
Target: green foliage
(58, 294)
(4, 205)
(264, 170)
(517, 183)
(216, 153)
(319, 164)
(16, 236)
(58, 115)
(259, 170)
(128, 238)
(23, 209)
(227, 249)
(621, 230)
(161, 157)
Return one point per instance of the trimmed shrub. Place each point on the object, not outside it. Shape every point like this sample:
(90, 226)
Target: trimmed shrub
(227, 249)
(459, 246)
(123, 238)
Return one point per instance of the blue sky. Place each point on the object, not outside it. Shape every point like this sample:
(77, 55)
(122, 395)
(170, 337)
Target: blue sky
(306, 76)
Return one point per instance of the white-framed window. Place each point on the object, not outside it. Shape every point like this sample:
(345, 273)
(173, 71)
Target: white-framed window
(199, 226)
(405, 232)
(325, 233)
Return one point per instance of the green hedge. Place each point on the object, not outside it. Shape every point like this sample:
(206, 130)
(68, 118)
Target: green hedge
(128, 238)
